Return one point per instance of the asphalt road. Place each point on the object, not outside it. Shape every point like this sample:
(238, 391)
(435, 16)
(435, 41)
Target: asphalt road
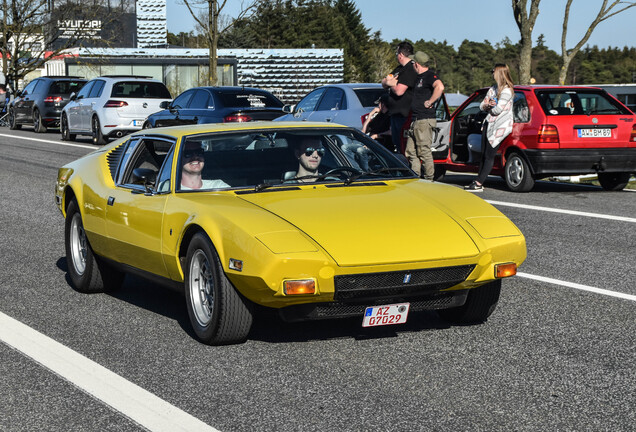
(551, 357)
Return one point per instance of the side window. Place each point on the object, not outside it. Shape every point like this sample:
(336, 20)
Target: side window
(149, 154)
(130, 150)
(473, 106)
(440, 110)
(85, 91)
(96, 90)
(332, 100)
(40, 86)
(29, 88)
(310, 101)
(182, 100)
(200, 100)
(520, 110)
(163, 180)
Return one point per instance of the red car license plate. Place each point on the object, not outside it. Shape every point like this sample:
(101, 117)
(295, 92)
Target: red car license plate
(385, 315)
(595, 133)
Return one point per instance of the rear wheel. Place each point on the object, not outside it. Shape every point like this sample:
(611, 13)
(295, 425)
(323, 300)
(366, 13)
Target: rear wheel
(614, 181)
(98, 138)
(38, 126)
(480, 304)
(517, 174)
(86, 272)
(218, 313)
(12, 121)
(66, 132)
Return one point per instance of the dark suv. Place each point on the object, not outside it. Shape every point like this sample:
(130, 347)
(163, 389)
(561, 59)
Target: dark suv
(41, 102)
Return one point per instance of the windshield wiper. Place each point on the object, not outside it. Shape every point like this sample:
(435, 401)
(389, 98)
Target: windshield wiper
(377, 172)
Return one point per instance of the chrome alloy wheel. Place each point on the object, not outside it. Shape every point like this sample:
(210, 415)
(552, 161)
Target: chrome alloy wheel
(201, 285)
(78, 244)
(515, 171)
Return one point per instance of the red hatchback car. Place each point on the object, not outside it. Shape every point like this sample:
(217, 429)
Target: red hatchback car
(557, 131)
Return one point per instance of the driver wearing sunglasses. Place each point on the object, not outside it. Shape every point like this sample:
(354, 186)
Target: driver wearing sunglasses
(192, 164)
(309, 154)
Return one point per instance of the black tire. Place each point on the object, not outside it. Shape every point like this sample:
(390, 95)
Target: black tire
(439, 174)
(480, 304)
(96, 132)
(64, 129)
(146, 125)
(87, 273)
(517, 173)
(38, 126)
(614, 181)
(12, 121)
(218, 313)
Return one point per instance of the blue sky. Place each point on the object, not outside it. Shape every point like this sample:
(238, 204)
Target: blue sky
(456, 20)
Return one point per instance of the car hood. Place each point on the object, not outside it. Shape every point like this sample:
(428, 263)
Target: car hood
(367, 225)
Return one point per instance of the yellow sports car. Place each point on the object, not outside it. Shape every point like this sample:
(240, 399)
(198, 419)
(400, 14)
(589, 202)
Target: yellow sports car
(313, 219)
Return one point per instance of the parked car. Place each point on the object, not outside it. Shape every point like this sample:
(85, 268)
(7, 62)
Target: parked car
(40, 103)
(558, 131)
(260, 231)
(111, 107)
(217, 105)
(346, 104)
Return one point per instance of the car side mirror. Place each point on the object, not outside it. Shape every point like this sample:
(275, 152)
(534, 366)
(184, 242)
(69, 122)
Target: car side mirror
(288, 108)
(146, 177)
(73, 96)
(164, 104)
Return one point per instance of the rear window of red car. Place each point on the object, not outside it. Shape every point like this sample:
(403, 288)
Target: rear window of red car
(567, 102)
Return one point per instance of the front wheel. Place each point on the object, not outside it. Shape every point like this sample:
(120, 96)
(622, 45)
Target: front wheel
(64, 129)
(98, 137)
(13, 124)
(614, 181)
(86, 272)
(38, 126)
(517, 174)
(480, 304)
(218, 313)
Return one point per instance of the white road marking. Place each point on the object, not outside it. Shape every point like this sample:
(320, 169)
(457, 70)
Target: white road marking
(569, 212)
(578, 286)
(139, 405)
(50, 142)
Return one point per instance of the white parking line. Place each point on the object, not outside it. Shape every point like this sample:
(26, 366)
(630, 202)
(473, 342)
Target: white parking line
(578, 286)
(50, 142)
(139, 405)
(569, 212)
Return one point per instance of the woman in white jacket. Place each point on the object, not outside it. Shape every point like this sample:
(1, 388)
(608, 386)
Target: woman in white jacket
(498, 124)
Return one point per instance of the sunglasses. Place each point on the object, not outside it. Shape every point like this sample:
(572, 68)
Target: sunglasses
(310, 150)
(192, 153)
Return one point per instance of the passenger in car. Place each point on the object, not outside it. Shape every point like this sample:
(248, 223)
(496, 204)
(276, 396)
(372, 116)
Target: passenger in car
(192, 163)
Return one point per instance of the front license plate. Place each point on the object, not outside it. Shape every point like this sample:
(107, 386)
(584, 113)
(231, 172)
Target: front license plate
(385, 315)
(138, 122)
(594, 133)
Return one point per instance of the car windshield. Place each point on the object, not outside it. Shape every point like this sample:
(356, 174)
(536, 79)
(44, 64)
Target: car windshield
(579, 102)
(246, 99)
(259, 160)
(368, 96)
(140, 89)
(66, 87)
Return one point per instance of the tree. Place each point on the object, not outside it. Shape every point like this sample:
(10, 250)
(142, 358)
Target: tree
(604, 13)
(210, 25)
(31, 34)
(525, 21)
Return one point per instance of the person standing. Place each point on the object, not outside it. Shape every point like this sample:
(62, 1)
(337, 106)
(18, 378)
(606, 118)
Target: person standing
(400, 84)
(498, 124)
(428, 89)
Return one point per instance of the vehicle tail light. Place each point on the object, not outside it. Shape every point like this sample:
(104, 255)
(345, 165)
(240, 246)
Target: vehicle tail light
(236, 118)
(115, 104)
(548, 134)
(632, 137)
(53, 99)
(505, 270)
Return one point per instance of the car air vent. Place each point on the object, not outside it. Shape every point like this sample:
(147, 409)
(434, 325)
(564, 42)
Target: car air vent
(113, 159)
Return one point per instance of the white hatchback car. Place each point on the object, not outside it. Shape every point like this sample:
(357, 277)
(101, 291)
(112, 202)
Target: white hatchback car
(112, 106)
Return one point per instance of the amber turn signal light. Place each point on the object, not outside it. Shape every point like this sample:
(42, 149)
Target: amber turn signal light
(296, 287)
(505, 270)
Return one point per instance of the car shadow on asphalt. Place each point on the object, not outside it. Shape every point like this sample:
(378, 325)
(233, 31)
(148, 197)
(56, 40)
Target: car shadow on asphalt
(541, 186)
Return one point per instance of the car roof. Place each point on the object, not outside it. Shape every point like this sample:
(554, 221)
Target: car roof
(353, 85)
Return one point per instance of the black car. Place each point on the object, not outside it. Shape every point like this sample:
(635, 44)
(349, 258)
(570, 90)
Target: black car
(40, 103)
(217, 105)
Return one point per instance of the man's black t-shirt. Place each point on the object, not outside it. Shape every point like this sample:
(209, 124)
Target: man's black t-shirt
(422, 92)
(401, 105)
(379, 124)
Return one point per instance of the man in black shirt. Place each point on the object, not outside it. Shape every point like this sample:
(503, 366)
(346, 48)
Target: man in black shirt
(400, 83)
(428, 89)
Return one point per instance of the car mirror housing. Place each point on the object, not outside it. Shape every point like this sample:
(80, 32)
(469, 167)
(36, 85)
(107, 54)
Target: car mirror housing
(164, 105)
(145, 177)
(73, 96)
(288, 108)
